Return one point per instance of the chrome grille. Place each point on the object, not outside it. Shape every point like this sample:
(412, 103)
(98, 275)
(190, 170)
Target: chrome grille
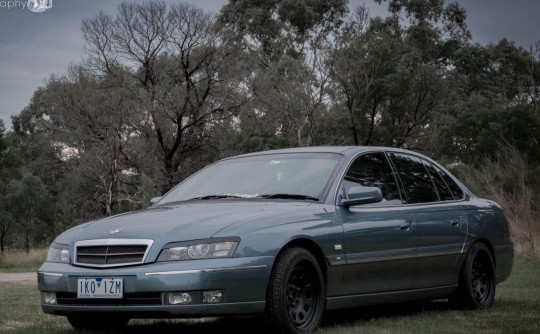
(111, 252)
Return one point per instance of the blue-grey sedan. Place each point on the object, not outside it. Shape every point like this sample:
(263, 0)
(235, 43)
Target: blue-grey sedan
(289, 234)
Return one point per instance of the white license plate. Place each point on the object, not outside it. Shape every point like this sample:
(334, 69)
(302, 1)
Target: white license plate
(97, 287)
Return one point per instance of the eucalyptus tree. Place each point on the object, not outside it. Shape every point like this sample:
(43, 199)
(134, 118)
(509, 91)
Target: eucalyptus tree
(287, 43)
(29, 202)
(85, 123)
(279, 27)
(184, 68)
(498, 104)
(6, 223)
(7, 172)
(390, 73)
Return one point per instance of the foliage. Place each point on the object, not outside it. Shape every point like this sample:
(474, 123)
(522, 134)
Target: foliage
(29, 201)
(283, 27)
(181, 69)
(508, 179)
(389, 72)
(9, 170)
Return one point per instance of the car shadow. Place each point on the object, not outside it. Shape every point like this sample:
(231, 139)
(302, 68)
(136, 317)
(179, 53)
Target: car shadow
(388, 311)
(237, 325)
(257, 324)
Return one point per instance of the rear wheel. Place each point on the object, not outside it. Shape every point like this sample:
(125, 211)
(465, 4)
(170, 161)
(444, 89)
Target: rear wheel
(295, 298)
(476, 287)
(83, 322)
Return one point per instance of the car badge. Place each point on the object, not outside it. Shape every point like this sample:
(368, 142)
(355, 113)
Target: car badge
(115, 231)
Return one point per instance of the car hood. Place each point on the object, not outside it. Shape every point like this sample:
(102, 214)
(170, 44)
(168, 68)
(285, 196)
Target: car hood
(190, 220)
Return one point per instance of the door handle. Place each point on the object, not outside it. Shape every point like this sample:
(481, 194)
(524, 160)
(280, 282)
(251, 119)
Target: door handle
(455, 222)
(405, 226)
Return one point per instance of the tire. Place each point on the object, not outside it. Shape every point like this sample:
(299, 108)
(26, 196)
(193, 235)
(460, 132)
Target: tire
(476, 287)
(96, 321)
(296, 293)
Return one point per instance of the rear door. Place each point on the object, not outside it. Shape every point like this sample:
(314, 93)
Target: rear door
(441, 230)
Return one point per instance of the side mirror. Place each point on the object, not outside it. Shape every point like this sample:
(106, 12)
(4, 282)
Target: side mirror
(155, 200)
(362, 195)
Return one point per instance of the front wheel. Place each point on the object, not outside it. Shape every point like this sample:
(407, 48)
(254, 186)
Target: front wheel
(476, 288)
(296, 293)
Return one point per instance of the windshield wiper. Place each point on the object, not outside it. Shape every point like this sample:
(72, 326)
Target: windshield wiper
(290, 196)
(215, 197)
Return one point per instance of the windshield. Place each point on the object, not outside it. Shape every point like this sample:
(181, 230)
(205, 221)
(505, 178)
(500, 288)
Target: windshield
(259, 176)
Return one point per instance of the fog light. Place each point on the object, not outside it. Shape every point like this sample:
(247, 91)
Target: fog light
(212, 297)
(176, 298)
(48, 298)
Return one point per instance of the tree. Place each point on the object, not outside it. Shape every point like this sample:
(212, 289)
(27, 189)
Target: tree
(184, 70)
(287, 43)
(91, 119)
(496, 104)
(29, 203)
(6, 223)
(390, 73)
(9, 169)
(283, 27)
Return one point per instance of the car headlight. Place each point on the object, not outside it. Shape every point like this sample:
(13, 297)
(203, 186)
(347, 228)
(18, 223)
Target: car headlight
(199, 249)
(58, 253)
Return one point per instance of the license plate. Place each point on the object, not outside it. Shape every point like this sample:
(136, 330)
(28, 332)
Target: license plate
(97, 287)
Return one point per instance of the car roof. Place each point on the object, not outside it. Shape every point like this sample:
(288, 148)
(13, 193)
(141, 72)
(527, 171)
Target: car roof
(344, 150)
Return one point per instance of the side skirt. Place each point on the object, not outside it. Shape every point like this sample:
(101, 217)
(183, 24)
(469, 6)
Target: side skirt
(333, 303)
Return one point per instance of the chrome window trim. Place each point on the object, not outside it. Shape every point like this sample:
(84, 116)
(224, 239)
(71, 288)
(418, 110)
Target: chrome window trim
(466, 193)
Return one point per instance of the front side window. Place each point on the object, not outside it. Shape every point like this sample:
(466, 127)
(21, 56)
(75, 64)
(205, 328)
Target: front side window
(417, 182)
(373, 170)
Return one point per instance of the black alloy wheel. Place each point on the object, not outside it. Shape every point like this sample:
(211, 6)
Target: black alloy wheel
(295, 301)
(476, 287)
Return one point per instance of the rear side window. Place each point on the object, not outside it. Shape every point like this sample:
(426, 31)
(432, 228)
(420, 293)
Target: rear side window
(445, 194)
(452, 185)
(373, 170)
(417, 183)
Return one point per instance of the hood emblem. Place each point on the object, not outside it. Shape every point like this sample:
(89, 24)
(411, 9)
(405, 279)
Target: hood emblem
(115, 231)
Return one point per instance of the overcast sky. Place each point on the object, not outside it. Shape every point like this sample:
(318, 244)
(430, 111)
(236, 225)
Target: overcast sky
(35, 45)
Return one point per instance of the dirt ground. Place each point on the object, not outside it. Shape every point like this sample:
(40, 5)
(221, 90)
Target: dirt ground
(10, 277)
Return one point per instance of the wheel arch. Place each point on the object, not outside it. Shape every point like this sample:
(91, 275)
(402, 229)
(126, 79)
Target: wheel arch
(312, 247)
(489, 246)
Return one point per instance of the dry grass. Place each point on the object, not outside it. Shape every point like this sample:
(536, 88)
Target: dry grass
(19, 261)
(510, 181)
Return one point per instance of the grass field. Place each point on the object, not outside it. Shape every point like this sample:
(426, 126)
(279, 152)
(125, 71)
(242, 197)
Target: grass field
(516, 310)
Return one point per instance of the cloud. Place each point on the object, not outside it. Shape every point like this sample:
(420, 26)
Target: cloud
(27, 68)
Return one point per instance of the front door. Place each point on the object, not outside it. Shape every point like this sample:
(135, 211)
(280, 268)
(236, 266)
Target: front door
(379, 240)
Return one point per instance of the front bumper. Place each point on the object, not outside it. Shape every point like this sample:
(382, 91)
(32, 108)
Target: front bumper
(243, 280)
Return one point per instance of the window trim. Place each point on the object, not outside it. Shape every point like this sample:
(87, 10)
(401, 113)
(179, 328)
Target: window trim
(348, 166)
(426, 171)
(437, 169)
(466, 193)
